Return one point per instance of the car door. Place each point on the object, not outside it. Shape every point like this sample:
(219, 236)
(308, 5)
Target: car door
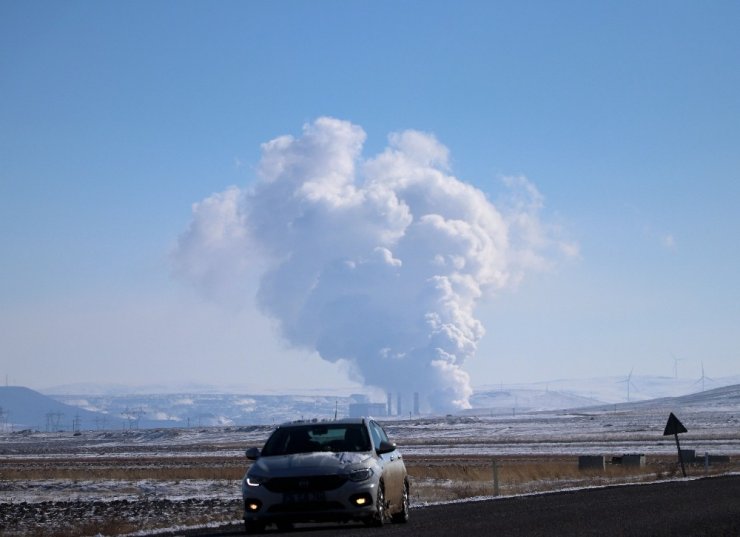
(392, 466)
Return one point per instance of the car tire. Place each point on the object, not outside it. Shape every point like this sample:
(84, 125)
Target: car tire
(378, 518)
(402, 516)
(252, 527)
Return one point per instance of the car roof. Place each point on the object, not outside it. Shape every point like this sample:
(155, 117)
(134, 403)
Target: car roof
(343, 421)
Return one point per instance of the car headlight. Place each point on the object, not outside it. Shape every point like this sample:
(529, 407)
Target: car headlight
(361, 474)
(254, 480)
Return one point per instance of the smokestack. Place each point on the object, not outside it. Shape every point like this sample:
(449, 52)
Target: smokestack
(390, 410)
(416, 403)
(399, 409)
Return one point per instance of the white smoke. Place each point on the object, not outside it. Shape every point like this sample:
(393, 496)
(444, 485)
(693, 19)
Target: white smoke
(376, 262)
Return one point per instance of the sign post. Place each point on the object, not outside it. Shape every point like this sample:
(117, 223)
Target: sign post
(674, 427)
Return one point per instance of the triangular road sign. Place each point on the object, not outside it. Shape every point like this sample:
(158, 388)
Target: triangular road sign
(673, 426)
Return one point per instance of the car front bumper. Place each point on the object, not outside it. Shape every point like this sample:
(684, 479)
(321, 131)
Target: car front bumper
(351, 501)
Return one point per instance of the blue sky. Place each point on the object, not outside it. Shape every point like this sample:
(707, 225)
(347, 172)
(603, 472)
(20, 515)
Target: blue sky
(116, 117)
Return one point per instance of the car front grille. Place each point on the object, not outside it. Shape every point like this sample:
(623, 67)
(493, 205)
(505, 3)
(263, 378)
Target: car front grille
(306, 507)
(314, 483)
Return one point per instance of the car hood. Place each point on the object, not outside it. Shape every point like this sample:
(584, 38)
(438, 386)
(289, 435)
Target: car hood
(309, 463)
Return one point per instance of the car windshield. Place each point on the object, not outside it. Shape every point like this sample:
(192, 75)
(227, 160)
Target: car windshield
(336, 437)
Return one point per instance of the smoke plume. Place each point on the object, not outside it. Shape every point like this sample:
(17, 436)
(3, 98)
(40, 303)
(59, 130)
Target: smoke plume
(376, 262)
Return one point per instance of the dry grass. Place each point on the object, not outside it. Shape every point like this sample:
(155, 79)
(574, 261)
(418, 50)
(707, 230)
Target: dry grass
(436, 479)
(156, 469)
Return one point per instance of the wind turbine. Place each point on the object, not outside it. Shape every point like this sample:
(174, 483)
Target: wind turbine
(675, 365)
(628, 382)
(703, 377)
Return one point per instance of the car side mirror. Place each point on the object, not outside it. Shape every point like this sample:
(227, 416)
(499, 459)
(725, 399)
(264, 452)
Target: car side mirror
(253, 453)
(385, 447)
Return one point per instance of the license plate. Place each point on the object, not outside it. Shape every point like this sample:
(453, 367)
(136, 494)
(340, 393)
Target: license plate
(304, 497)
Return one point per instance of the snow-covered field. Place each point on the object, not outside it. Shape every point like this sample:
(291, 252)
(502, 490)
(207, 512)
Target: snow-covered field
(123, 481)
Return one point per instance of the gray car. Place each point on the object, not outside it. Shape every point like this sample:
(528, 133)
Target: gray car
(345, 470)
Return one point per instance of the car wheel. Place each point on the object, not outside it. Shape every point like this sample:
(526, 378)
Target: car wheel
(253, 527)
(284, 526)
(402, 516)
(378, 518)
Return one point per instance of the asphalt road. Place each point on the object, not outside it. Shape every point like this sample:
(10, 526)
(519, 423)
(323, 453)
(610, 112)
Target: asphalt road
(702, 507)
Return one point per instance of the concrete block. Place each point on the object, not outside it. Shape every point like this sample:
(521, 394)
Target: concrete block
(591, 462)
(633, 459)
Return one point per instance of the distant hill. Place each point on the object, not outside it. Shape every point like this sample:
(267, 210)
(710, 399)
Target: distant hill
(526, 400)
(189, 409)
(23, 408)
(565, 393)
(725, 398)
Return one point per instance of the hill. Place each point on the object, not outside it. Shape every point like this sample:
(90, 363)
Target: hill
(726, 398)
(23, 408)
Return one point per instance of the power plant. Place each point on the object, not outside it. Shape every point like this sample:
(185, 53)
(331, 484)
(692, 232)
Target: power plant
(361, 406)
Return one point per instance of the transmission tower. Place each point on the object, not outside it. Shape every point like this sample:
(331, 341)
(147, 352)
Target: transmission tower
(76, 421)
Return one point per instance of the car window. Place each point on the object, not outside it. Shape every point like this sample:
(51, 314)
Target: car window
(378, 434)
(317, 437)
